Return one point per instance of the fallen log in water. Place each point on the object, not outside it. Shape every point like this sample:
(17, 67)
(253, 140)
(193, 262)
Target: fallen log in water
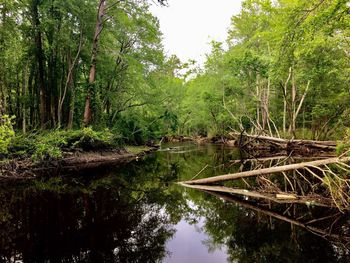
(281, 157)
(265, 171)
(249, 141)
(281, 198)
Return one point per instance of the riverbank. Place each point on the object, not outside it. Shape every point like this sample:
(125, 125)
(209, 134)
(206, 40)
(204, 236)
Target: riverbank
(25, 168)
(262, 144)
(30, 155)
(107, 209)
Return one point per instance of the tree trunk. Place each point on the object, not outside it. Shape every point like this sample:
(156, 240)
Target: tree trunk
(257, 101)
(3, 66)
(40, 61)
(292, 110)
(296, 113)
(285, 90)
(31, 96)
(69, 85)
(265, 171)
(71, 108)
(24, 95)
(2, 97)
(92, 73)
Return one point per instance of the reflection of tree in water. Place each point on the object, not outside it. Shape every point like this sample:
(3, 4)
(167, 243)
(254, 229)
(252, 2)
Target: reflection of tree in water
(253, 236)
(266, 232)
(100, 216)
(125, 215)
(103, 222)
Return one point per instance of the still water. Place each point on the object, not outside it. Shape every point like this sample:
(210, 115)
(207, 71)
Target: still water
(136, 213)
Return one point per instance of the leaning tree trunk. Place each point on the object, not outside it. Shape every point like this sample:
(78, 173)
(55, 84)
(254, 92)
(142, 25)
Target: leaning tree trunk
(293, 107)
(69, 85)
(71, 102)
(92, 74)
(257, 100)
(285, 90)
(265, 171)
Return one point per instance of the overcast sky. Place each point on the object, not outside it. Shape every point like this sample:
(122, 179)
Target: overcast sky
(189, 25)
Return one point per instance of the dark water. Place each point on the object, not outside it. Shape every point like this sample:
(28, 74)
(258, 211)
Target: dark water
(135, 213)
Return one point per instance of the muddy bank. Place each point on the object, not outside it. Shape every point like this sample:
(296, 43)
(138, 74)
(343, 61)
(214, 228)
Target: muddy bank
(70, 162)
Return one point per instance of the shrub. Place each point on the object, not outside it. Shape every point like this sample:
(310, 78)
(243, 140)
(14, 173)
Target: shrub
(52, 144)
(46, 152)
(88, 139)
(344, 146)
(6, 133)
(49, 145)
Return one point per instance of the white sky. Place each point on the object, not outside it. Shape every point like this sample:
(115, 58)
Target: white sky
(188, 26)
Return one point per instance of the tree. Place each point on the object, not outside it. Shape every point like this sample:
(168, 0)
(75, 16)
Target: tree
(92, 73)
(102, 7)
(282, 58)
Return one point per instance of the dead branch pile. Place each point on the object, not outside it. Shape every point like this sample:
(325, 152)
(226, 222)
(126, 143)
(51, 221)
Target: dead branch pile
(328, 177)
(270, 170)
(247, 141)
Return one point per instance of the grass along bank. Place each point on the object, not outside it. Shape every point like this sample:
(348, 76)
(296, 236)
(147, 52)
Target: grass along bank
(23, 154)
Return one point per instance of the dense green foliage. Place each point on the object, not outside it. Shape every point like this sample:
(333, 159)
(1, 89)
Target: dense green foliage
(284, 70)
(46, 56)
(53, 144)
(6, 133)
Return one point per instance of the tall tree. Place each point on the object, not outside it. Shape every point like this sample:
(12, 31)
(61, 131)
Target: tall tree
(39, 55)
(92, 73)
(101, 13)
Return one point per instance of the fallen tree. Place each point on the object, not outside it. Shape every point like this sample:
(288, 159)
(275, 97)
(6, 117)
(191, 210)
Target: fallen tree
(247, 141)
(331, 185)
(281, 157)
(265, 171)
(280, 198)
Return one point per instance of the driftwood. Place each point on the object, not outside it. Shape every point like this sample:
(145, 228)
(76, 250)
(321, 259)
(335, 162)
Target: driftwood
(280, 198)
(250, 141)
(281, 157)
(265, 171)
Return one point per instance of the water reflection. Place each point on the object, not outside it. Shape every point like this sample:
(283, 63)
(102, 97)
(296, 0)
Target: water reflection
(262, 234)
(189, 245)
(102, 225)
(134, 213)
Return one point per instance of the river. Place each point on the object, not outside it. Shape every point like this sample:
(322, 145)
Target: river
(135, 212)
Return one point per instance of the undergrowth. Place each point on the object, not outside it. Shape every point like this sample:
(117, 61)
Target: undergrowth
(52, 144)
(6, 133)
(343, 147)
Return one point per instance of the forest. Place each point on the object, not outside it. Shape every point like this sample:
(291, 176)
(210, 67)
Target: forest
(285, 72)
(98, 68)
(113, 149)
